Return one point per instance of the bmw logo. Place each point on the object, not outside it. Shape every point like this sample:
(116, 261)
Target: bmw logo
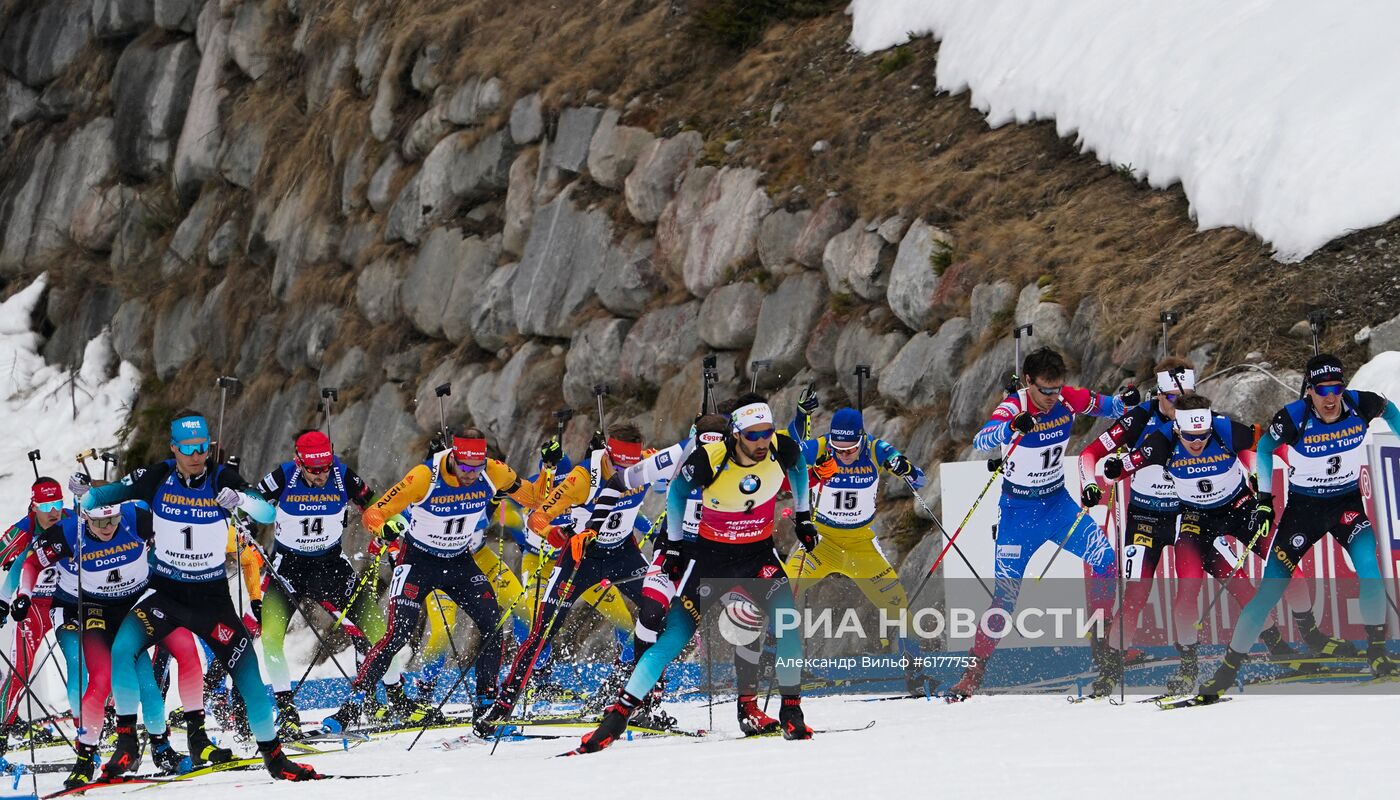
(1299, 540)
(750, 484)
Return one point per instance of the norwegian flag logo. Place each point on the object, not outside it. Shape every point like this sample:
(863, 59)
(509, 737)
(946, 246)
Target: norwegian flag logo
(768, 572)
(1349, 517)
(223, 633)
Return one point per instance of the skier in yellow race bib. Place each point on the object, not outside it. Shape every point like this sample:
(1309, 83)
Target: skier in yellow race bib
(848, 463)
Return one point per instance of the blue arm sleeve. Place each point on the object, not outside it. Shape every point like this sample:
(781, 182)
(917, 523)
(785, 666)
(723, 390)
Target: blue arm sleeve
(256, 507)
(676, 498)
(11, 584)
(797, 480)
(884, 451)
(112, 493)
(1391, 415)
(642, 525)
(797, 429)
(1264, 462)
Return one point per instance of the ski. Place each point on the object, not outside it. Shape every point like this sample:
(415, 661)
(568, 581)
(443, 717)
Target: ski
(101, 783)
(819, 732)
(1188, 701)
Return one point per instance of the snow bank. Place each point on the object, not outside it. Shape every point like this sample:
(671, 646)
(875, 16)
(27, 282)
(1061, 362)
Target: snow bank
(1381, 374)
(37, 401)
(1276, 116)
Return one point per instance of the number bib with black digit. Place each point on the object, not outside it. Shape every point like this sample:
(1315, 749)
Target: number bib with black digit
(1327, 458)
(619, 523)
(848, 499)
(444, 523)
(119, 568)
(1037, 468)
(1207, 480)
(191, 531)
(311, 520)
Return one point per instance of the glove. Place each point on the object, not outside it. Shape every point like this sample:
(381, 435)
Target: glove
(551, 453)
(78, 484)
(1091, 495)
(899, 466)
(1113, 468)
(807, 402)
(378, 545)
(1263, 519)
(673, 561)
(598, 441)
(1023, 423)
(50, 554)
(825, 468)
(257, 610)
(806, 532)
(19, 609)
(229, 499)
(994, 464)
(4, 612)
(1130, 396)
(579, 542)
(394, 527)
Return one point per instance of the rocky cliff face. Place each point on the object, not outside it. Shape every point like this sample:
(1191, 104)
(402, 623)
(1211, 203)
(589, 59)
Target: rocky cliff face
(368, 196)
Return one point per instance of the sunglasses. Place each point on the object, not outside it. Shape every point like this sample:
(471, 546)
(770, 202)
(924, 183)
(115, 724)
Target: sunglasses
(193, 449)
(1049, 391)
(315, 470)
(1328, 390)
(50, 507)
(1194, 437)
(1171, 397)
(848, 448)
(757, 436)
(103, 522)
(464, 467)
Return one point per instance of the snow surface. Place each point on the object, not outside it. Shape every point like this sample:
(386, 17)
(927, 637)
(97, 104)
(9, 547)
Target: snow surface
(1035, 747)
(1276, 116)
(1381, 375)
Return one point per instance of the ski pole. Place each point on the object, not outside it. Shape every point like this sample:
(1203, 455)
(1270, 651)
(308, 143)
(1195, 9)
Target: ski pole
(1063, 542)
(1224, 584)
(82, 618)
(1013, 380)
(29, 692)
(949, 546)
(371, 570)
(285, 585)
(920, 500)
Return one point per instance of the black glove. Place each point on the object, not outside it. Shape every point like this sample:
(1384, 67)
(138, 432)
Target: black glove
(1113, 468)
(257, 610)
(4, 612)
(1130, 396)
(1023, 423)
(806, 532)
(1263, 518)
(393, 528)
(597, 442)
(19, 609)
(673, 560)
(807, 401)
(899, 466)
(994, 464)
(551, 453)
(1091, 495)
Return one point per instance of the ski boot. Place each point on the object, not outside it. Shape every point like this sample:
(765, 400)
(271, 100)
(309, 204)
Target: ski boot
(488, 716)
(425, 689)
(83, 768)
(1110, 673)
(650, 715)
(404, 709)
(169, 760)
(1322, 645)
(202, 749)
(790, 717)
(1186, 674)
(344, 718)
(288, 717)
(752, 720)
(127, 756)
(1223, 678)
(1278, 648)
(971, 681)
(282, 768)
(612, 726)
(1376, 655)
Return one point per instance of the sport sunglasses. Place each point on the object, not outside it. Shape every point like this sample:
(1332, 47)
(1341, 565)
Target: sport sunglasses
(193, 449)
(756, 436)
(1195, 437)
(1329, 390)
(50, 507)
(1049, 391)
